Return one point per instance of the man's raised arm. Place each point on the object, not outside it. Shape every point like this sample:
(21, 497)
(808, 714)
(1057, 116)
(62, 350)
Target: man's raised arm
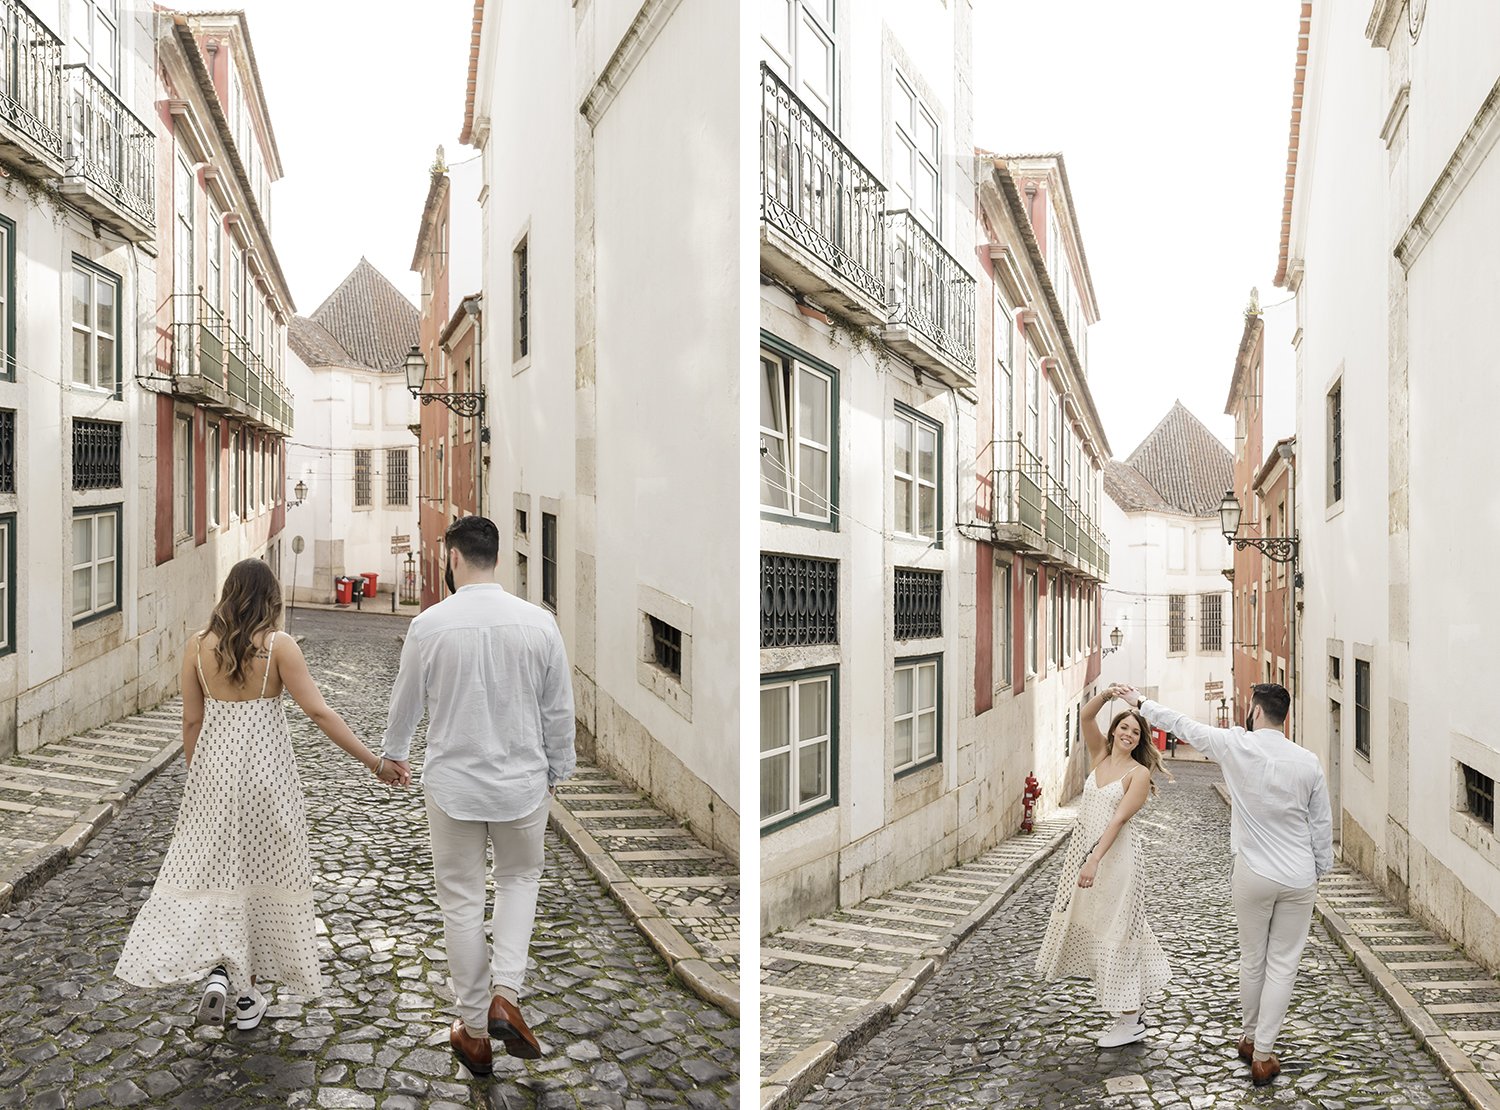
(1205, 738)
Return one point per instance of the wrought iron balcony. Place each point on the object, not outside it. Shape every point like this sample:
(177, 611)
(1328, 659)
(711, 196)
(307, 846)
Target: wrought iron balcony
(31, 115)
(820, 208)
(932, 301)
(1015, 505)
(112, 157)
(215, 366)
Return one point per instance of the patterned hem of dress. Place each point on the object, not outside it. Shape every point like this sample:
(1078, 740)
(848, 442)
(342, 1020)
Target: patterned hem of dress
(234, 895)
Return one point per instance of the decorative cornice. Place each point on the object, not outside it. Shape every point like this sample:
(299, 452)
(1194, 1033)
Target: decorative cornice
(1397, 113)
(1471, 150)
(633, 45)
(1382, 23)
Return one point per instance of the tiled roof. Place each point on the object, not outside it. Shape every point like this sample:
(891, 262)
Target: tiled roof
(1181, 462)
(1304, 32)
(471, 85)
(364, 322)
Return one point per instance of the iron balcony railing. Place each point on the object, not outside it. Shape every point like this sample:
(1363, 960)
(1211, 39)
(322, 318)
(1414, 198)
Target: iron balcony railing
(204, 345)
(817, 193)
(1015, 492)
(928, 289)
(198, 338)
(31, 78)
(112, 148)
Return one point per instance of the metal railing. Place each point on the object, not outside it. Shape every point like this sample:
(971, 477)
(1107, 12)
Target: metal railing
(928, 289)
(1016, 496)
(111, 146)
(198, 338)
(813, 190)
(31, 77)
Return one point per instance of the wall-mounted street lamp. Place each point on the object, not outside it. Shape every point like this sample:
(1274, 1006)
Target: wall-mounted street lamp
(465, 404)
(1279, 549)
(300, 492)
(1116, 638)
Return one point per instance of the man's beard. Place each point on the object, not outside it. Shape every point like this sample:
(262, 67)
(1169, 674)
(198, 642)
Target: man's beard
(448, 578)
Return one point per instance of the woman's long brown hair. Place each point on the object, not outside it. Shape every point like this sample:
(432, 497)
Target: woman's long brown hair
(1144, 752)
(249, 606)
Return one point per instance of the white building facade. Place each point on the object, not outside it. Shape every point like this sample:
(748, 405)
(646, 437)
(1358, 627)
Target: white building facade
(1389, 236)
(1167, 592)
(354, 450)
(611, 281)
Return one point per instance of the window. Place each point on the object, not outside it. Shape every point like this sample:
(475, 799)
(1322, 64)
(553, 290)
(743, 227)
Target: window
(918, 449)
(915, 155)
(1033, 404)
(1176, 623)
(1054, 600)
(215, 468)
(1479, 795)
(1362, 707)
(7, 300)
(1000, 644)
(796, 745)
(1054, 431)
(7, 583)
(7, 451)
(182, 477)
(1335, 670)
(96, 454)
(1336, 444)
(796, 438)
(666, 646)
(1211, 622)
(397, 476)
(521, 280)
(521, 522)
(799, 604)
(918, 691)
(96, 37)
(798, 36)
(236, 508)
(96, 329)
(362, 478)
(918, 604)
(96, 562)
(1032, 651)
(214, 287)
(523, 585)
(549, 561)
(182, 237)
(1281, 531)
(1176, 548)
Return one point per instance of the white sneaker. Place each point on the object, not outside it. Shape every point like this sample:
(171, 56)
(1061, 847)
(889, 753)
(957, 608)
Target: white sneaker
(250, 1009)
(215, 998)
(1126, 1030)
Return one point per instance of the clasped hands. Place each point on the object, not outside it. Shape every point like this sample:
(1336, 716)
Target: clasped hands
(1126, 693)
(393, 772)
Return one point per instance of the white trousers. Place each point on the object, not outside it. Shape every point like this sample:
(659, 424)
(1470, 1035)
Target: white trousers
(1273, 922)
(458, 856)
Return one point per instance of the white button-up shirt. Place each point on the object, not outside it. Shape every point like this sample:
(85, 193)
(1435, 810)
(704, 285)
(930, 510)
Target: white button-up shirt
(1281, 824)
(493, 676)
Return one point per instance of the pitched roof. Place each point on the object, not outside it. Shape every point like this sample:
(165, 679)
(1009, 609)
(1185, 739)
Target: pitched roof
(1181, 461)
(1127, 487)
(365, 322)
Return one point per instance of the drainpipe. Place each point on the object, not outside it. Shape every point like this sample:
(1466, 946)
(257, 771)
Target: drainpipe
(471, 306)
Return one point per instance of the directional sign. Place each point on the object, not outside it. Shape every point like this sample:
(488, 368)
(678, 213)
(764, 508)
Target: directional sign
(1212, 690)
(400, 549)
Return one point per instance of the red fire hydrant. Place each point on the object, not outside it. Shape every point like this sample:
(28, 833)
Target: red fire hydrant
(1029, 797)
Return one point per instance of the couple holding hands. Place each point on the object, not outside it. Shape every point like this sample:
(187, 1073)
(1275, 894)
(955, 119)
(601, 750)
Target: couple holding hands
(1281, 839)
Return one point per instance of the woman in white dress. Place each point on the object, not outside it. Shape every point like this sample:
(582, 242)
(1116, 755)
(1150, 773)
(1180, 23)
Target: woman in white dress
(233, 900)
(1098, 928)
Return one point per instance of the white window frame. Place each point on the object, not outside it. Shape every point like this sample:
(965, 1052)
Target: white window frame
(793, 747)
(790, 374)
(914, 669)
(182, 476)
(913, 480)
(95, 563)
(87, 16)
(1002, 641)
(213, 471)
(93, 329)
(522, 311)
(905, 149)
(1033, 603)
(818, 18)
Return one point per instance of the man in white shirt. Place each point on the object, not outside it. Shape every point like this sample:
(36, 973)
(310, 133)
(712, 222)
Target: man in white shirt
(491, 672)
(1281, 837)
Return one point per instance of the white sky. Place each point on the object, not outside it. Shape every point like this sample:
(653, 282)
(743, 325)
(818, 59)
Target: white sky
(360, 97)
(1172, 119)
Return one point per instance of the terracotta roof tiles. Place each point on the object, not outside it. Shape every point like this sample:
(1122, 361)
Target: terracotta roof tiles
(1181, 462)
(365, 322)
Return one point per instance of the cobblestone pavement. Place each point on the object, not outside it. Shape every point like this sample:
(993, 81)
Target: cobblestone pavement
(986, 1032)
(617, 1029)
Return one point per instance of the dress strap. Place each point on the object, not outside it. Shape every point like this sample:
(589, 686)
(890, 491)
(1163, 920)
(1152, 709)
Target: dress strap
(198, 662)
(270, 646)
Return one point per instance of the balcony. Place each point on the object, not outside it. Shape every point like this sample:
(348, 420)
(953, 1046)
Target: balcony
(821, 230)
(31, 116)
(1031, 513)
(932, 302)
(214, 366)
(111, 172)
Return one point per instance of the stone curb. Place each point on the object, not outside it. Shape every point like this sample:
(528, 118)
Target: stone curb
(790, 1083)
(1476, 1089)
(684, 960)
(22, 881)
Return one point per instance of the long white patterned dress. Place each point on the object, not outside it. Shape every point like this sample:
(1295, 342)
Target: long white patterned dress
(236, 887)
(1101, 932)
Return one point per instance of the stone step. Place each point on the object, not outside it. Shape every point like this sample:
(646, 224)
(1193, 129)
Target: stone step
(827, 961)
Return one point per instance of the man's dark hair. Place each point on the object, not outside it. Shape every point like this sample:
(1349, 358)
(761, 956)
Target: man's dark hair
(1273, 700)
(476, 538)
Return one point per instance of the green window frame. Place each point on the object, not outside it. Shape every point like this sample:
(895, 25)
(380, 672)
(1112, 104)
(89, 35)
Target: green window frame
(94, 564)
(787, 746)
(914, 710)
(90, 338)
(7, 583)
(782, 441)
(914, 425)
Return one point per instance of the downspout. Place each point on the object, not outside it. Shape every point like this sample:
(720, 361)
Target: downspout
(471, 306)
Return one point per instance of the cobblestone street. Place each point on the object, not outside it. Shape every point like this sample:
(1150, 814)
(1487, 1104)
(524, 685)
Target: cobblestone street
(986, 1032)
(617, 1029)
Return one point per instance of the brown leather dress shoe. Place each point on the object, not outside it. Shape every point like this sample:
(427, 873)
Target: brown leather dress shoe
(1263, 1071)
(472, 1052)
(510, 1029)
(1246, 1049)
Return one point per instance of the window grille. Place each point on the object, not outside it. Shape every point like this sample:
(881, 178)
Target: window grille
(96, 454)
(919, 603)
(1177, 623)
(1211, 621)
(798, 601)
(397, 476)
(666, 646)
(7, 451)
(1479, 795)
(361, 477)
